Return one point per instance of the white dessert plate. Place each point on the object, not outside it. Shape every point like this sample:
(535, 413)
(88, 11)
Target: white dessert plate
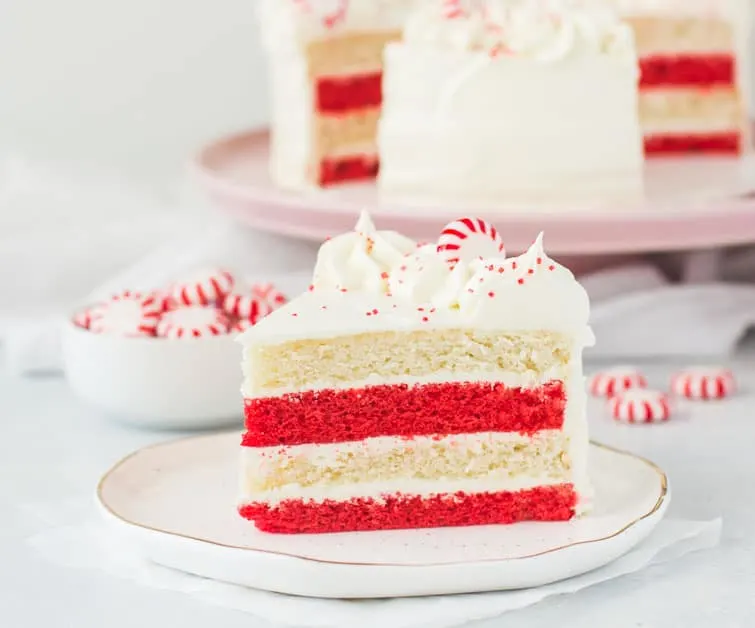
(691, 203)
(175, 504)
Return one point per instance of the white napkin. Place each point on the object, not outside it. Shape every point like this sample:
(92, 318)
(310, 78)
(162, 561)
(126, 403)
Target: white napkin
(71, 238)
(73, 537)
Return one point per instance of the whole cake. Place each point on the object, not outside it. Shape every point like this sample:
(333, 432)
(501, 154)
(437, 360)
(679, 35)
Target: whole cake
(511, 101)
(418, 386)
(694, 57)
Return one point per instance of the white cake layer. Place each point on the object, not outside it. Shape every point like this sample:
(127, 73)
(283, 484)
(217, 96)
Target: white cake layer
(261, 461)
(460, 126)
(525, 380)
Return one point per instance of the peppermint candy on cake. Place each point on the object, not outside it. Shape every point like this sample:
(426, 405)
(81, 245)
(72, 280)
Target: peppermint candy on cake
(206, 287)
(616, 380)
(193, 321)
(640, 405)
(702, 383)
(467, 239)
(127, 314)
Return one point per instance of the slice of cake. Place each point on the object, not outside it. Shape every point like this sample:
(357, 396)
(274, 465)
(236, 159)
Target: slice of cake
(511, 101)
(418, 386)
(326, 71)
(693, 56)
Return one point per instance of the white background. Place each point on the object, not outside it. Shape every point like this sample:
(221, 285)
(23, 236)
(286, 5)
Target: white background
(135, 85)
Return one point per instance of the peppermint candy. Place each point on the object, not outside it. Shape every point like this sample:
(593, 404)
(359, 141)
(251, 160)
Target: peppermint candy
(246, 306)
(254, 303)
(270, 293)
(126, 314)
(82, 318)
(193, 322)
(702, 383)
(468, 239)
(616, 380)
(206, 287)
(640, 405)
(242, 325)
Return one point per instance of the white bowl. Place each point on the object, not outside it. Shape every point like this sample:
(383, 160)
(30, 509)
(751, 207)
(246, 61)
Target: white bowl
(156, 382)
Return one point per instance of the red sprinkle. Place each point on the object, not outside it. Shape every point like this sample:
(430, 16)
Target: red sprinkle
(294, 314)
(539, 260)
(491, 294)
(384, 275)
(425, 319)
(344, 290)
(551, 267)
(531, 271)
(520, 281)
(513, 265)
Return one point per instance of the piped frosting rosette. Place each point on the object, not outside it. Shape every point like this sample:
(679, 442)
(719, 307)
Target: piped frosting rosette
(361, 259)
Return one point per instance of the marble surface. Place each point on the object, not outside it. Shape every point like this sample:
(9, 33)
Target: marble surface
(52, 446)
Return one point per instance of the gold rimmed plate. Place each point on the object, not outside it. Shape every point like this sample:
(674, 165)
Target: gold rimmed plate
(174, 503)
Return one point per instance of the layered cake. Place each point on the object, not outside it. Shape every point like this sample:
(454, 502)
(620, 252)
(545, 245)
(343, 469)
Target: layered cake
(511, 101)
(418, 386)
(326, 59)
(693, 56)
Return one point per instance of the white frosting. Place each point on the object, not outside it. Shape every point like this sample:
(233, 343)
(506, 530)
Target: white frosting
(532, 293)
(546, 30)
(360, 260)
(676, 8)
(460, 128)
(299, 21)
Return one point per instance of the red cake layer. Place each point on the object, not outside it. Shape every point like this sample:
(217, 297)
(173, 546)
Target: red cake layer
(331, 416)
(355, 168)
(336, 94)
(716, 143)
(687, 70)
(544, 503)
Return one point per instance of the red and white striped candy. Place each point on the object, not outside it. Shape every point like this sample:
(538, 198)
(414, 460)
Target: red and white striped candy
(242, 325)
(703, 383)
(127, 314)
(616, 380)
(192, 322)
(468, 239)
(82, 318)
(206, 287)
(246, 306)
(270, 293)
(640, 405)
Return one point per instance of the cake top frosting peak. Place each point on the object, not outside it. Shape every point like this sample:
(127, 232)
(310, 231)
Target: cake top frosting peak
(544, 30)
(368, 280)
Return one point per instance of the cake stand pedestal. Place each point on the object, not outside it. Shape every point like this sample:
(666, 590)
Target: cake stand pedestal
(692, 205)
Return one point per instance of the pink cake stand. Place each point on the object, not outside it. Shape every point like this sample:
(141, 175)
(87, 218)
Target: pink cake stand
(691, 204)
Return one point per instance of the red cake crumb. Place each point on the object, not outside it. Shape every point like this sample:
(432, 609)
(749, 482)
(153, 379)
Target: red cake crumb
(330, 416)
(338, 94)
(398, 511)
(720, 143)
(355, 168)
(687, 70)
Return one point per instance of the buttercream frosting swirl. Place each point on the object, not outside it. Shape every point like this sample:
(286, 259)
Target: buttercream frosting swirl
(424, 277)
(547, 30)
(360, 259)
